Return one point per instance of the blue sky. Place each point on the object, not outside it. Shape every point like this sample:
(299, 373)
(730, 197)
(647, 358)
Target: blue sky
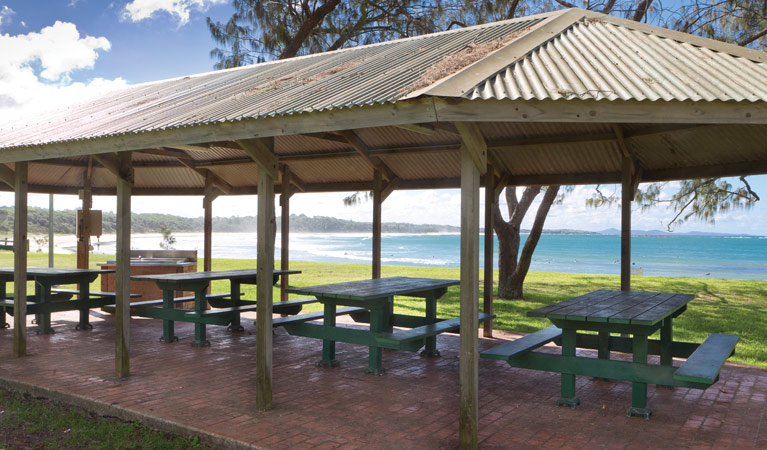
(55, 51)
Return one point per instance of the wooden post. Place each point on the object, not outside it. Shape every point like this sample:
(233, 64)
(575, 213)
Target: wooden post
(207, 205)
(627, 195)
(122, 277)
(377, 201)
(487, 306)
(265, 267)
(469, 345)
(285, 194)
(50, 230)
(21, 186)
(84, 227)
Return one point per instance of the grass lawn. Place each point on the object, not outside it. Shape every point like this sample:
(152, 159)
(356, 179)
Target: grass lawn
(27, 422)
(720, 306)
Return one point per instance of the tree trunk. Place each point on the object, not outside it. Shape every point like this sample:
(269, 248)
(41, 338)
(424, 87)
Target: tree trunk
(508, 236)
(516, 283)
(508, 249)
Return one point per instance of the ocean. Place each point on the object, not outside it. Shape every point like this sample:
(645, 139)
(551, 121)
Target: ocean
(671, 256)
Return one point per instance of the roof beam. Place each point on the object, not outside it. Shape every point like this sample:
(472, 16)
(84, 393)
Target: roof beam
(627, 153)
(363, 150)
(112, 163)
(389, 188)
(189, 148)
(501, 184)
(294, 179)
(327, 137)
(474, 142)
(207, 175)
(169, 152)
(7, 175)
(426, 129)
(262, 152)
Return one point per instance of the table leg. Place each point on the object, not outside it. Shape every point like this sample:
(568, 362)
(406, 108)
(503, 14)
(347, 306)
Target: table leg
(431, 316)
(568, 397)
(666, 342)
(200, 329)
(44, 317)
(235, 325)
(85, 295)
(328, 346)
(168, 326)
(639, 390)
(380, 320)
(4, 323)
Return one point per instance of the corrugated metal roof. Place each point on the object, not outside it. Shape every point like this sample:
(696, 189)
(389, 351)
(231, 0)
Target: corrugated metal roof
(596, 59)
(562, 56)
(358, 76)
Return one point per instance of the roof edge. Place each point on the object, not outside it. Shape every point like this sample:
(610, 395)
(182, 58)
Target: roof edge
(457, 84)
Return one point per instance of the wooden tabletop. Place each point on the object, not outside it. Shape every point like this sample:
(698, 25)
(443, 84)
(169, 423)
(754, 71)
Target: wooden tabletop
(633, 307)
(374, 289)
(208, 276)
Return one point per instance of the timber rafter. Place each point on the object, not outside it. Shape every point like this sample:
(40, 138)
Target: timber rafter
(363, 150)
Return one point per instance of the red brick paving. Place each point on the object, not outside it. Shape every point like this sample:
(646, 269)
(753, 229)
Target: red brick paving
(415, 405)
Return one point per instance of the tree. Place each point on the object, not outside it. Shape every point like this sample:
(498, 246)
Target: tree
(168, 240)
(702, 199)
(264, 30)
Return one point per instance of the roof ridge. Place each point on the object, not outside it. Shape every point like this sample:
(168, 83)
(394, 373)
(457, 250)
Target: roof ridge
(459, 83)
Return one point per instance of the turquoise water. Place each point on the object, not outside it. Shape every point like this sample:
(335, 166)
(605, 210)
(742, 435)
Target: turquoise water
(671, 256)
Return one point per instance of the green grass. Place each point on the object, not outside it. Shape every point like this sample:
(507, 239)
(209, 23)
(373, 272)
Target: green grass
(721, 306)
(27, 422)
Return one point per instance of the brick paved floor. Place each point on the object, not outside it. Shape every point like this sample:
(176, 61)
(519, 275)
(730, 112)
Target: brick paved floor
(415, 405)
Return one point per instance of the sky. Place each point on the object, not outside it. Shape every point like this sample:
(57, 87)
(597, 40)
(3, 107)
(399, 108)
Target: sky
(53, 52)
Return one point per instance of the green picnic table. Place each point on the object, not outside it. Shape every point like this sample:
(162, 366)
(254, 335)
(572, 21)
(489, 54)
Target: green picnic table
(230, 305)
(372, 301)
(639, 314)
(45, 301)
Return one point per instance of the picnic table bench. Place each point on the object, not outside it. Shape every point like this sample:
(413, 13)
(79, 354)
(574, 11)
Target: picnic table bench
(638, 314)
(372, 301)
(231, 305)
(47, 300)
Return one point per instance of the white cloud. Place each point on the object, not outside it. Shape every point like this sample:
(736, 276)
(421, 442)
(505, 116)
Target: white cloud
(138, 10)
(5, 14)
(35, 69)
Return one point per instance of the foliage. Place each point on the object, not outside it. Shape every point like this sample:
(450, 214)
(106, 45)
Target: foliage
(168, 240)
(149, 223)
(702, 199)
(262, 30)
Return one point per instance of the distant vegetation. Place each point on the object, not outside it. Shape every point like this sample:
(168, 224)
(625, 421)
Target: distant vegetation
(64, 223)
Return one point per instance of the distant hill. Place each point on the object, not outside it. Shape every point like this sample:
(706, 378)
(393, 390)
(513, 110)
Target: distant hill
(614, 231)
(64, 223)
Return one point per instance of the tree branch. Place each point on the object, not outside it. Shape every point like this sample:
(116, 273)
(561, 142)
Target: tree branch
(748, 188)
(641, 11)
(306, 28)
(524, 204)
(753, 37)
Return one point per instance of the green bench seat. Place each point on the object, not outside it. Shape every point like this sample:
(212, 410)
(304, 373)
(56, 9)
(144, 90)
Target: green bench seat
(704, 365)
(92, 294)
(281, 321)
(422, 332)
(523, 344)
(286, 307)
(189, 298)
